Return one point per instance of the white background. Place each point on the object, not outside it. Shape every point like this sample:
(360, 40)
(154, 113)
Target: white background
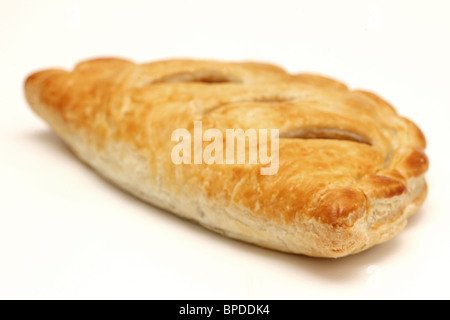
(66, 233)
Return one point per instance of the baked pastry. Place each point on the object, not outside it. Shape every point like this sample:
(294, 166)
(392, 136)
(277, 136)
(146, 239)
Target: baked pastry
(350, 172)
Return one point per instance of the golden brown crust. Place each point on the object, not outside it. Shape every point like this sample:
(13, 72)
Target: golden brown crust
(351, 169)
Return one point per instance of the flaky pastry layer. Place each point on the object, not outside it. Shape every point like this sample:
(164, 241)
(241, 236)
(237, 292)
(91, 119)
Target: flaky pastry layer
(351, 169)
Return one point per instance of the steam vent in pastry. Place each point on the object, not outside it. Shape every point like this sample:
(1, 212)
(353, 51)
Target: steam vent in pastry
(347, 174)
